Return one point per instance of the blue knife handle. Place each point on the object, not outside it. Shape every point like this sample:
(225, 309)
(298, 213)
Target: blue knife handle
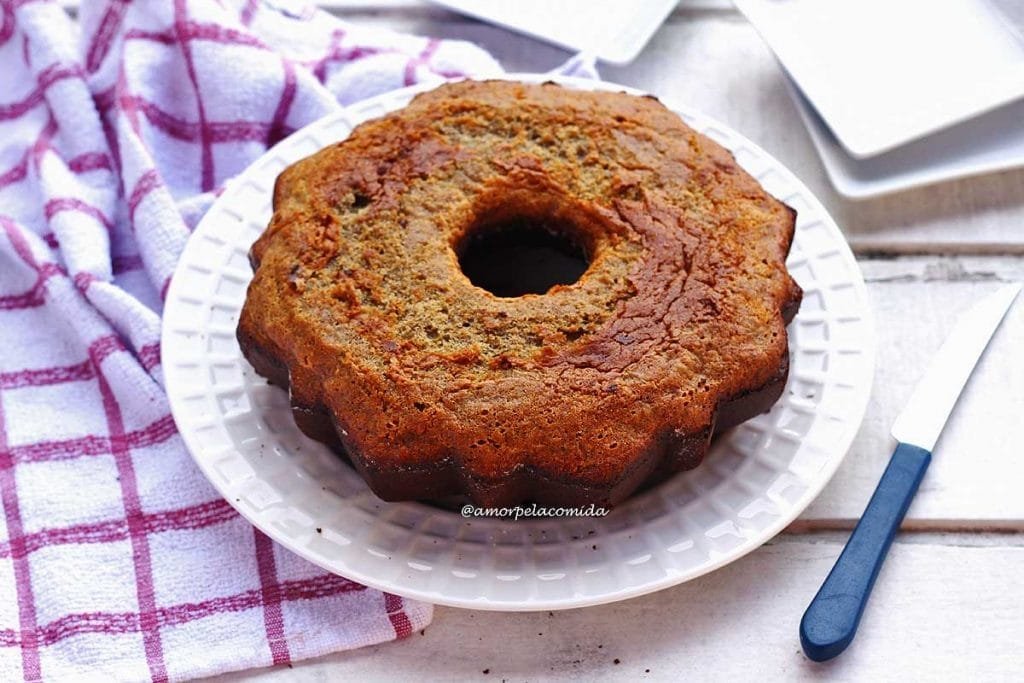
(831, 619)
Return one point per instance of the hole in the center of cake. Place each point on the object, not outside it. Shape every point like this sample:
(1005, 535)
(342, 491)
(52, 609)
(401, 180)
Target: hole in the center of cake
(521, 256)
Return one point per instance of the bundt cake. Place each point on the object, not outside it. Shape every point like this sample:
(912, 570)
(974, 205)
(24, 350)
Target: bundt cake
(521, 293)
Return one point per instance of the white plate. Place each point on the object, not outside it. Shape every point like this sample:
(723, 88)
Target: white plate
(883, 73)
(611, 30)
(756, 480)
(988, 143)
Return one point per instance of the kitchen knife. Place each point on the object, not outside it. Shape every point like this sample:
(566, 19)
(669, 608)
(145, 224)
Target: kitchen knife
(831, 620)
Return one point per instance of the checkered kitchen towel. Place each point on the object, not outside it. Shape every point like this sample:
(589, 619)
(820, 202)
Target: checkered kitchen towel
(117, 559)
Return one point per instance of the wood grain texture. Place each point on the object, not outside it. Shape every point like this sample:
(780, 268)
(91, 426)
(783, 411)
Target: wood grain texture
(941, 610)
(977, 471)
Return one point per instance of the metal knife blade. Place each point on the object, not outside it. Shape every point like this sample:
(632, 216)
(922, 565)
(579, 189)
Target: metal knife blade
(936, 393)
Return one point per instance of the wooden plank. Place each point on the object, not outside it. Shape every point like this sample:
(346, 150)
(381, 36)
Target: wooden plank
(976, 474)
(944, 608)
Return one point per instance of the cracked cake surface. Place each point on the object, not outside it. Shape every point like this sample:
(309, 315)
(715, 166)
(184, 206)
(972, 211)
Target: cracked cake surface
(434, 386)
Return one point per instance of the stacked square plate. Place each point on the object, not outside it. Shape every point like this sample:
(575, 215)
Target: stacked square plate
(609, 30)
(902, 94)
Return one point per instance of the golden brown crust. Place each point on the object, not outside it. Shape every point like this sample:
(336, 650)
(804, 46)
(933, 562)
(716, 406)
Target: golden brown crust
(434, 386)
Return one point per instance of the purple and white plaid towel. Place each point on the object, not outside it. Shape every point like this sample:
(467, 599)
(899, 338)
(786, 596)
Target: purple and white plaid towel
(117, 559)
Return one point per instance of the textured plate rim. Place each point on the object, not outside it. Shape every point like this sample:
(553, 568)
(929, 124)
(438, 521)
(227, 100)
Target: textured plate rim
(854, 411)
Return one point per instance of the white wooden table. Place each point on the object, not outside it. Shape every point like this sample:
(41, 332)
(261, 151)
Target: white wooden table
(949, 603)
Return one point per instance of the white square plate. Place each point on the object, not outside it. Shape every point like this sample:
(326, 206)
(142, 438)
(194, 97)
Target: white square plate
(883, 73)
(991, 142)
(613, 31)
